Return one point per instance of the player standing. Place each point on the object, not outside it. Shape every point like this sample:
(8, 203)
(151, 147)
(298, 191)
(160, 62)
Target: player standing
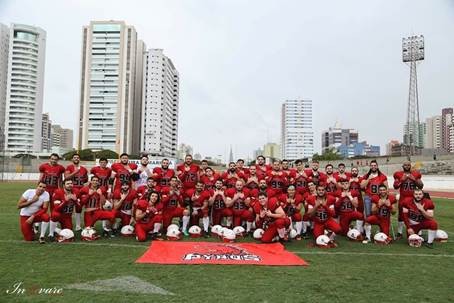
(370, 183)
(79, 175)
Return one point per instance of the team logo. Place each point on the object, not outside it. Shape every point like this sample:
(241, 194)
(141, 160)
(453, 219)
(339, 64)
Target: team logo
(220, 252)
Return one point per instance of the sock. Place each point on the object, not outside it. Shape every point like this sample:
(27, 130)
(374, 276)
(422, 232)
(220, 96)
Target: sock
(229, 221)
(36, 224)
(420, 233)
(400, 227)
(305, 225)
(106, 225)
(116, 225)
(359, 225)
(157, 227)
(78, 216)
(298, 227)
(368, 229)
(332, 236)
(44, 226)
(206, 223)
(431, 236)
(248, 226)
(281, 232)
(52, 226)
(185, 222)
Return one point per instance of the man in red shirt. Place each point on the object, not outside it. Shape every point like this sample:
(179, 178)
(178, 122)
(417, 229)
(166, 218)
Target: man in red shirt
(199, 207)
(341, 173)
(331, 183)
(103, 173)
(299, 178)
(93, 197)
(240, 167)
(382, 208)
(252, 180)
(271, 217)
(65, 200)
(292, 203)
(238, 200)
(172, 201)
(346, 207)
(307, 220)
(188, 173)
(217, 202)
(123, 172)
(144, 191)
(355, 185)
(148, 216)
(276, 179)
(370, 183)
(51, 174)
(314, 174)
(231, 176)
(418, 214)
(321, 209)
(261, 167)
(124, 200)
(163, 174)
(209, 178)
(406, 180)
(79, 175)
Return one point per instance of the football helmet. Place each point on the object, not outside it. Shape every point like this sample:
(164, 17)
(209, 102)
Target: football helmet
(415, 240)
(382, 238)
(239, 231)
(228, 236)
(88, 234)
(127, 231)
(65, 235)
(258, 233)
(441, 236)
(354, 235)
(195, 231)
(173, 234)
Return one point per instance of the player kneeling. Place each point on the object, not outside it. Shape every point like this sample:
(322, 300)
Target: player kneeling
(418, 214)
(271, 217)
(148, 217)
(383, 206)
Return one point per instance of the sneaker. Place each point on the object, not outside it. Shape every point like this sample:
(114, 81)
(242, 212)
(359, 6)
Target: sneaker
(298, 238)
(305, 235)
(106, 233)
(206, 234)
(185, 232)
(41, 240)
(366, 240)
(429, 245)
(35, 229)
(51, 238)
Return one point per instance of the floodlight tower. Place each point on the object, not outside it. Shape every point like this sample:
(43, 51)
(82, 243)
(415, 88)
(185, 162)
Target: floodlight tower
(412, 53)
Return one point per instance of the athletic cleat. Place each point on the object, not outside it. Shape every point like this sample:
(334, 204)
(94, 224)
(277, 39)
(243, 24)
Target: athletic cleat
(206, 234)
(41, 240)
(298, 238)
(106, 233)
(185, 232)
(366, 240)
(35, 229)
(51, 238)
(398, 237)
(429, 245)
(78, 228)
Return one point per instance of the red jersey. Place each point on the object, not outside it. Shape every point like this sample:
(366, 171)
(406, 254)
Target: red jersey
(164, 176)
(372, 186)
(171, 200)
(92, 200)
(122, 173)
(384, 211)
(261, 171)
(414, 214)
(356, 185)
(153, 210)
(65, 206)
(209, 182)
(126, 206)
(103, 175)
(271, 205)
(239, 204)
(345, 176)
(198, 199)
(80, 178)
(276, 180)
(406, 187)
(290, 208)
(144, 191)
(344, 205)
(52, 175)
(189, 177)
(316, 176)
(219, 202)
(230, 179)
(299, 180)
(323, 212)
(331, 187)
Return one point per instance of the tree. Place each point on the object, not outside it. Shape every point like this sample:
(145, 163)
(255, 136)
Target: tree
(329, 155)
(106, 153)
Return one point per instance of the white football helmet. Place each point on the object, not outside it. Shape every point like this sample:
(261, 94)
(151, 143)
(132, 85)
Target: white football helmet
(228, 236)
(65, 235)
(415, 240)
(173, 234)
(221, 231)
(354, 234)
(107, 205)
(127, 231)
(381, 238)
(258, 233)
(293, 233)
(215, 230)
(88, 234)
(239, 231)
(323, 241)
(173, 226)
(441, 236)
(57, 230)
(195, 231)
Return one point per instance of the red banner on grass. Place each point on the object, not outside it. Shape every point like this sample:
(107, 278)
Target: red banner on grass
(167, 252)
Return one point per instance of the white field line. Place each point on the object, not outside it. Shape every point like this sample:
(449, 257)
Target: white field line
(296, 252)
(370, 254)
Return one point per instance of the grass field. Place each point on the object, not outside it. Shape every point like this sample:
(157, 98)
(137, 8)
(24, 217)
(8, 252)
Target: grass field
(353, 272)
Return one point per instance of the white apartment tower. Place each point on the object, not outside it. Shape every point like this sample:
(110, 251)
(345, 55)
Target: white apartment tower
(22, 97)
(108, 97)
(297, 135)
(432, 138)
(160, 105)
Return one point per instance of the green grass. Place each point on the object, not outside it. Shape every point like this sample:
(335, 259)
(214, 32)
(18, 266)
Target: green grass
(394, 273)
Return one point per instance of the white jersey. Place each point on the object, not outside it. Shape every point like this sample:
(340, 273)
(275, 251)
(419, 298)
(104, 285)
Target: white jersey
(143, 176)
(34, 207)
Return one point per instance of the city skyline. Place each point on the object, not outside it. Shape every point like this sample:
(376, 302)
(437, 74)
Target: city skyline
(320, 55)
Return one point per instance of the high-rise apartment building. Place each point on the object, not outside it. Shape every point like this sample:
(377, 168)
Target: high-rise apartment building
(446, 122)
(432, 135)
(22, 98)
(337, 136)
(297, 135)
(160, 105)
(46, 137)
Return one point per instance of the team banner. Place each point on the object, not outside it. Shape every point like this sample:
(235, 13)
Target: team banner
(166, 252)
